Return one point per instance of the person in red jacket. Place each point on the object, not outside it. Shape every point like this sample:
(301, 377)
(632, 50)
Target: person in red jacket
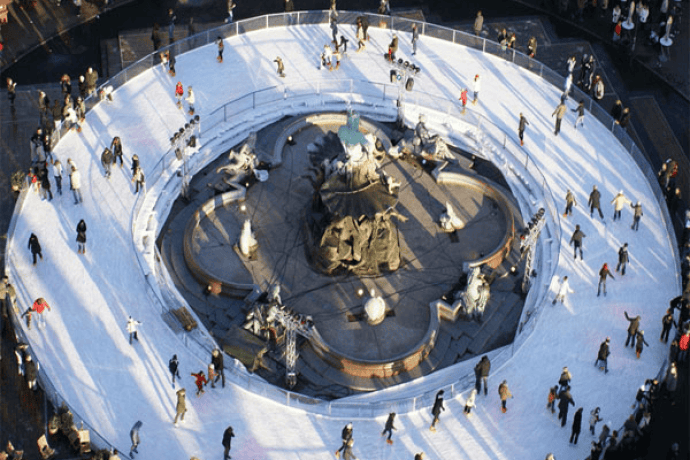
(179, 94)
(463, 99)
(603, 274)
(39, 306)
(200, 380)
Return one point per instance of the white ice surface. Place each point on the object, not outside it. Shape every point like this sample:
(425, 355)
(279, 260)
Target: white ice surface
(111, 384)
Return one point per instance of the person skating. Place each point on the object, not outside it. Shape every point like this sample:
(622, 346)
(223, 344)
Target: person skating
(639, 343)
(38, 307)
(419, 456)
(563, 289)
(81, 237)
(35, 247)
(180, 406)
(632, 329)
(116, 148)
(504, 393)
(637, 215)
(217, 361)
(551, 399)
(200, 381)
(436, 410)
(134, 437)
(623, 259)
(666, 323)
(476, 87)
(107, 158)
(280, 67)
(565, 378)
(532, 47)
(75, 184)
(604, 273)
(138, 179)
(221, 48)
(173, 365)
(481, 374)
(564, 399)
(179, 94)
(619, 202)
(389, 427)
(360, 36)
(594, 202)
(190, 100)
(346, 435)
(347, 452)
(580, 109)
(171, 63)
(132, 329)
(415, 39)
(603, 354)
(470, 403)
(228, 434)
(521, 128)
(211, 369)
(570, 202)
(392, 48)
(577, 425)
(559, 113)
(463, 100)
(576, 241)
(593, 420)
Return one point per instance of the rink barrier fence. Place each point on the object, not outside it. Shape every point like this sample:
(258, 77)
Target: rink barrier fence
(379, 100)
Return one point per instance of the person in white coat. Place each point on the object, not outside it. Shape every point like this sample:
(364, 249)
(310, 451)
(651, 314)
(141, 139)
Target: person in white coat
(563, 289)
(619, 202)
(132, 329)
(470, 404)
(476, 87)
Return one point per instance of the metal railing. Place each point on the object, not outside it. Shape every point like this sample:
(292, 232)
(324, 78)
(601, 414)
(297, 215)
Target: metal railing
(490, 140)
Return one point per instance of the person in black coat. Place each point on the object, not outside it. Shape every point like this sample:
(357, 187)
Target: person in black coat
(35, 247)
(173, 365)
(576, 241)
(603, 354)
(217, 361)
(389, 427)
(564, 399)
(632, 329)
(577, 425)
(623, 259)
(666, 322)
(116, 149)
(617, 111)
(346, 436)
(227, 440)
(81, 237)
(481, 373)
(436, 410)
(595, 202)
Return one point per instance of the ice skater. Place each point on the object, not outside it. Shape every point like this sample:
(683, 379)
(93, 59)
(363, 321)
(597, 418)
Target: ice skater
(35, 247)
(346, 436)
(570, 202)
(476, 87)
(521, 128)
(200, 381)
(81, 237)
(389, 427)
(173, 365)
(563, 290)
(180, 406)
(580, 109)
(134, 437)
(559, 113)
(179, 94)
(619, 202)
(623, 259)
(603, 355)
(594, 202)
(228, 434)
(632, 328)
(280, 66)
(576, 241)
(504, 393)
(436, 410)
(604, 273)
(132, 325)
(637, 215)
(470, 403)
(221, 47)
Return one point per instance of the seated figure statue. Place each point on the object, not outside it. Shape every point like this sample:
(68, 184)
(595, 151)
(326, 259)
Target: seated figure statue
(450, 221)
(240, 164)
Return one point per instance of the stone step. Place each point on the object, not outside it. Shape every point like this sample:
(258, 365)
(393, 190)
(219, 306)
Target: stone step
(489, 329)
